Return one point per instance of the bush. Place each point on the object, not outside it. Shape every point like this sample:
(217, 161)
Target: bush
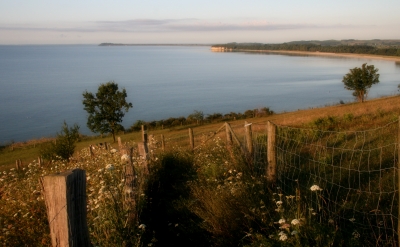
(64, 146)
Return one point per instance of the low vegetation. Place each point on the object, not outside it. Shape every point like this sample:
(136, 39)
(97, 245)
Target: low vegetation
(213, 196)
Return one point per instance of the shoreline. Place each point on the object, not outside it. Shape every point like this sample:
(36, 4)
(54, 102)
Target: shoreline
(322, 54)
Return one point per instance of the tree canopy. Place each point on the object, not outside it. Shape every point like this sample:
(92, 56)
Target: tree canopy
(106, 109)
(360, 80)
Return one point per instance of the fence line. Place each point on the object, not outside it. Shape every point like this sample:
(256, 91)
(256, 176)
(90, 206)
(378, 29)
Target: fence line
(357, 171)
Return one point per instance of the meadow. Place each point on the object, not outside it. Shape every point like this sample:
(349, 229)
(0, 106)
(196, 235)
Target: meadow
(216, 195)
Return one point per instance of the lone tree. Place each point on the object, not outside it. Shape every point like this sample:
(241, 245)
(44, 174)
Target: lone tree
(106, 109)
(360, 80)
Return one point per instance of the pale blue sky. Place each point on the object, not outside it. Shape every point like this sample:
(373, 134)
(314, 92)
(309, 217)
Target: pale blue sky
(193, 21)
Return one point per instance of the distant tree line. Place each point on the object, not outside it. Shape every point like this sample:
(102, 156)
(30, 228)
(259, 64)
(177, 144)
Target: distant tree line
(198, 118)
(356, 49)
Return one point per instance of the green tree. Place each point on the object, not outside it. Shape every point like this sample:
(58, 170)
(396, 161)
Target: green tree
(106, 109)
(196, 116)
(64, 146)
(360, 80)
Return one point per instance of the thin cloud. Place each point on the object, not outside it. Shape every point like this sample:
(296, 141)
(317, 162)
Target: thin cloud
(168, 25)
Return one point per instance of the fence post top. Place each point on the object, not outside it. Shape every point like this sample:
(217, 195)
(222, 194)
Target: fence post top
(65, 173)
(247, 124)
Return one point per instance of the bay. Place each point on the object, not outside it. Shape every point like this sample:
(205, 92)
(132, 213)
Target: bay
(41, 86)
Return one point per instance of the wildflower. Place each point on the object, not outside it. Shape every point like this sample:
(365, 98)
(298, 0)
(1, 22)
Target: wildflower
(294, 233)
(283, 237)
(113, 150)
(142, 226)
(125, 158)
(279, 203)
(352, 219)
(315, 188)
(281, 221)
(110, 167)
(356, 234)
(295, 222)
(331, 221)
(285, 226)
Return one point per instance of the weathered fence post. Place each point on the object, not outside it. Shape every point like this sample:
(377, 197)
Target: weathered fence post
(129, 176)
(398, 179)
(143, 149)
(65, 198)
(91, 151)
(228, 135)
(271, 153)
(191, 139)
(144, 133)
(162, 143)
(18, 164)
(249, 138)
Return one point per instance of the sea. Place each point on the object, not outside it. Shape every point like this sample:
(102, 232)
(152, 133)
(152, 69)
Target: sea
(41, 86)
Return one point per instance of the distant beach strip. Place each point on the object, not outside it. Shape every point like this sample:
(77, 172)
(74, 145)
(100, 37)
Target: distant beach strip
(310, 53)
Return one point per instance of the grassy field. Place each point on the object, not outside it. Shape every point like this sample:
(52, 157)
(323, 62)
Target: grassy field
(328, 193)
(371, 110)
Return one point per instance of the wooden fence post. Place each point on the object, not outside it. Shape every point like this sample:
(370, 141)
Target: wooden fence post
(228, 135)
(398, 179)
(143, 149)
(249, 139)
(162, 143)
(271, 153)
(144, 134)
(91, 151)
(129, 185)
(191, 139)
(65, 198)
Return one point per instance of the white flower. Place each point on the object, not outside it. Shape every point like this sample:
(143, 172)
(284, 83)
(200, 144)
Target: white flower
(352, 219)
(110, 167)
(294, 233)
(125, 158)
(113, 150)
(278, 203)
(295, 222)
(281, 221)
(142, 226)
(315, 188)
(283, 236)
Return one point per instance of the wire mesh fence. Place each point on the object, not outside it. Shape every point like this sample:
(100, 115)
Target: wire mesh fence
(346, 177)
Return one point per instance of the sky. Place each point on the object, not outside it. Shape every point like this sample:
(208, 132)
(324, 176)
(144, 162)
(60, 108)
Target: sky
(194, 21)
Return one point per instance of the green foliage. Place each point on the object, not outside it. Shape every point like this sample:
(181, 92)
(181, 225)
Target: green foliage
(137, 126)
(331, 46)
(196, 116)
(64, 146)
(360, 80)
(106, 109)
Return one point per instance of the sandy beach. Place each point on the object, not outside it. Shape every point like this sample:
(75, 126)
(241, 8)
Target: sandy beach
(305, 53)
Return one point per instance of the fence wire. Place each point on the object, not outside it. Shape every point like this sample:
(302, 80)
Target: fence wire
(356, 170)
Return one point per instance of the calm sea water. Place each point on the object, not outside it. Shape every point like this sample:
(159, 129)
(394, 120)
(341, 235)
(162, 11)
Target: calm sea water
(41, 86)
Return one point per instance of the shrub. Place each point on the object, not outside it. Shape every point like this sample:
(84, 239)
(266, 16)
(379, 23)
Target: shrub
(64, 146)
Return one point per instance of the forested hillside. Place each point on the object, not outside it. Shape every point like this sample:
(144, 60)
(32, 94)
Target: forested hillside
(374, 47)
